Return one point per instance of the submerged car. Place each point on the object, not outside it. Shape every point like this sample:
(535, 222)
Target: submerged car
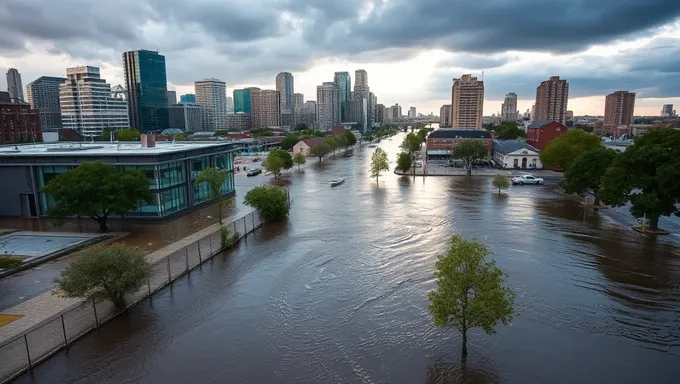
(254, 172)
(526, 179)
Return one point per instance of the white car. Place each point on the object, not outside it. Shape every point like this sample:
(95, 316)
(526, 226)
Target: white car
(526, 179)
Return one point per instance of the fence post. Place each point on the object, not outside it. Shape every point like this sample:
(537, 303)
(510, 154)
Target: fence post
(28, 353)
(245, 227)
(63, 327)
(234, 224)
(198, 245)
(148, 284)
(252, 216)
(96, 319)
(210, 242)
(169, 274)
(186, 256)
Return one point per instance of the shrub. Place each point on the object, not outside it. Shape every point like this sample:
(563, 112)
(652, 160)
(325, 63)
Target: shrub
(228, 238)
(10, 262)
(270, 201)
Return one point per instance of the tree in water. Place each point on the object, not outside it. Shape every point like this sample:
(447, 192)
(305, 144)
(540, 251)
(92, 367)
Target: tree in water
(379, 163)
(214, 178)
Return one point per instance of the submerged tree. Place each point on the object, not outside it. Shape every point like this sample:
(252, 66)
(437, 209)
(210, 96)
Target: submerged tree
(469, 151)
(214, 178)
(500, 182)
(379, 163)
(587, 171)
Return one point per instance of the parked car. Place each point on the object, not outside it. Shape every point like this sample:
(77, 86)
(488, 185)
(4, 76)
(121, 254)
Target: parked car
(526, 179)
(254, 172)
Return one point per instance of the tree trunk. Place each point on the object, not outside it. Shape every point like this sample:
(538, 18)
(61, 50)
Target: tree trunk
(119, 303)
(597, 200)
(219, 211)
(465, 344)
(102, 224)
(654, 222)
(499, 191)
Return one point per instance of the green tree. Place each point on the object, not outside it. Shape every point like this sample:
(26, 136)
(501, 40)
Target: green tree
(270, 201)
(470, 291)
(341, 141)
(500, 182)
(379, 163)
(105, 272)
(646, 174)
(351, 138)
(469, 151)
(562, 151)
(285, 156)
(403, 162)
(288, 142)
(320, 150)
(300, 127)
(586, 172)
(508, 130)
(128, 134)
(422, 134)
(412, 144)
(273, 163)
(332, 144)
(97, 190)
(299, 159)
(214, 178)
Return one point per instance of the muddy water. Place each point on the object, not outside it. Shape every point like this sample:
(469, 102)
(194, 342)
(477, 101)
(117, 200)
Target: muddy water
(338, 294)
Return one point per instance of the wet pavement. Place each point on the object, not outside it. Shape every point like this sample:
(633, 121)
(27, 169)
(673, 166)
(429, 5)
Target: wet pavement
(338, 293)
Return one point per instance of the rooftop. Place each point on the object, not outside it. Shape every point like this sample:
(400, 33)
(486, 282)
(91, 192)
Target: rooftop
(509, 146)
(102, 148)
(541, 123)
(452, 133)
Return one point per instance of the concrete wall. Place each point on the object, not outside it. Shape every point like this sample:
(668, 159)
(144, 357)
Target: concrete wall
(15, 180)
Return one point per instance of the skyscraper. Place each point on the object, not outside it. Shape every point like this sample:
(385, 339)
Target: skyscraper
(172, 98)
(147, 87)
(43, 95)
(357, 112)
(344, 82)
(211, 95)
(467, 102)
(372, 103)
(509, 108)
(242, 100)
(618, 109)
(297, 109)
(308, 114)
(551, 100)
(328, 105)
(14, 86)
(87, 105)
(666, 110)
(230, 104)
(360, 78)
(285, 86)
(445, 116)
(380, 113)
(187, 117)
(412, 112)
(265, 108)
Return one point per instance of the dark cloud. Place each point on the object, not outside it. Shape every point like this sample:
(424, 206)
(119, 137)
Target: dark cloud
(470, 60)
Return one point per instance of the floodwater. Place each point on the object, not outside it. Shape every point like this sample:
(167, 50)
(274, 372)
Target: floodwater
(338, 294)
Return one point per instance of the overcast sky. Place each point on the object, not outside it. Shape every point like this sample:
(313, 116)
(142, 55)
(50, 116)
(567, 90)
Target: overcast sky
(410, 48)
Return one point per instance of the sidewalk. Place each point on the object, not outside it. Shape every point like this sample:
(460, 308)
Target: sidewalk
(438, 170)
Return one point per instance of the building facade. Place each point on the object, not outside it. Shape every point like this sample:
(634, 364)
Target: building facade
(188, 98)
(514, 154)
(379, 113)
(540, 133)
(344, 82)
(19, 123)
(230, 104)
(242, 100)
(14, 85)
(308, 114)
(666, 110)
(509, 107)
(618, 110)
(445, 116)
(467, 102)
(328, 105)
(147, 85)
(440, 142)
(43, 96)
(211, 95)
(265, 107)
(239, 121)
(551, 100)
(360, 79)
(87, 104)
(172, 98)
(186, 116)
(285, 85)
(412, 112)
(357, 112)
(297, 107)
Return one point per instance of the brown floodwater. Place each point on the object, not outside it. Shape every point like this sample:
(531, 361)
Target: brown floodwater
(338, 294)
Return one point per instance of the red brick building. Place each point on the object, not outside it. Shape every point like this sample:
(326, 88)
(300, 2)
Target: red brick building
(618, 111)
(440, 142)
(540, 133)
(18, 122)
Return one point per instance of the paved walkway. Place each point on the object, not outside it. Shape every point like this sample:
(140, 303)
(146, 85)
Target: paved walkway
(438, 170)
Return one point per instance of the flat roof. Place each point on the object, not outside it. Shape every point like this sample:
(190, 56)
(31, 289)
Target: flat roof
(90, 149)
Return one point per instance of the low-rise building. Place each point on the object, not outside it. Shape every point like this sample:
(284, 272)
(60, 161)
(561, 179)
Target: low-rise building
(440, 142)
(19, 123)
(540, 133)
(514, 154)
(303, 146)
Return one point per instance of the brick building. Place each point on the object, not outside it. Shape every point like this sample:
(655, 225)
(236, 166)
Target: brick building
(440, 142)
(540, 133)
(18, 122)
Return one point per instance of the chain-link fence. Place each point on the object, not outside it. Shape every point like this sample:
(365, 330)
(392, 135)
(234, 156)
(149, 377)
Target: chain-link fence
(21, 353)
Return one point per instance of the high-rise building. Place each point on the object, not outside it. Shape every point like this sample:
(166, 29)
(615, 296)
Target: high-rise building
(570, 115)
(297, 109)
(265, 107)
(189, 98)
(242, 100)
(230, 104)
(389, 114)
(618, 109)
(286, 87)
(18, 123)
(551, 100)
(509, 107)
(412, 112)
(467, 102)
(239, 121)
(328, 105)
(87, 104)
(372, 104)
(172, 98)
(360, 78)
(666, 111)
(14, 86)
(147, 86)
(445, 116)
(43, 96)
(396, 112)
(308, 114)
(357, 112)
(344, 82)
(379, 113)
(211, 95)
(187, 117)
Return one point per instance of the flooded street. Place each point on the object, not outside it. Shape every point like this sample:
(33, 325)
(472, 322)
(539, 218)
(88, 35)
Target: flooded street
(338, 294)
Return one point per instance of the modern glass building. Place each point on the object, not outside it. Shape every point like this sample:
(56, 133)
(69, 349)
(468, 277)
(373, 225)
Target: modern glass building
(242, 100)
(189, 98)
(171, 169)
(344, 82)
(147, 87)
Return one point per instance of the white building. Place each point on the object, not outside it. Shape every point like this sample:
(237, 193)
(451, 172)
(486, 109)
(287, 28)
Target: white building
(514, 154)
(87, 103)
(412, 112)
(328, 105)
(211, 95)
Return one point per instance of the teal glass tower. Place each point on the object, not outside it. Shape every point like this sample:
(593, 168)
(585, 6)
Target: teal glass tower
(147, 87)
(344, 82)
(242, 100)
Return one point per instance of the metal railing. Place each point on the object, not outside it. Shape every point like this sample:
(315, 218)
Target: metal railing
(24, 351)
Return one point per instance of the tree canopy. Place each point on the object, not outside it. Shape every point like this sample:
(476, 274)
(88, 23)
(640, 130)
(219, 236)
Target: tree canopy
(647, 175)
(562, 151)
(469, 151)
(97, 190)
(332, 144)
(403, 162)
(500, 182)
(586, 172)
(379, 163)
(470, 291)
(288, 142)
(105, 272)
(412, 144)
(128, 134)
(214, 178)
(273, 163)
(300, 127)
(351, 138)
(299, 159)
(270, 201)
(320, 150)
(508, 130)
(341, 140)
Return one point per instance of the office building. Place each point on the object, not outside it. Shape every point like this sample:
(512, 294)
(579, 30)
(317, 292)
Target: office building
(299, 101)
(328, 105)
(379, 113)
(551, 100)
(43, 96)
(188, 98)
(19, 123)
(344, 83)
(239, 122)
(396, 112)
(286, 88)
(372, 104)
(467, 102)
(445, 116)
(87, 103)
(360, 78)
(242, 100)
(170, 167)
(509, 107)
(618, 110)
(666, 111)
(570, 115)
(265, 108)
(389, 114)
(186, 116)
(14, 86)
(172, 98)
(308, 114)
(230, 104)
(357, 112)
(211, 95)
(412, 112)
(147, 86)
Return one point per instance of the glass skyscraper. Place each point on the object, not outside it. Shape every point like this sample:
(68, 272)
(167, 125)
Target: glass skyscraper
(242, 100)
(147, 87)
(344, 82)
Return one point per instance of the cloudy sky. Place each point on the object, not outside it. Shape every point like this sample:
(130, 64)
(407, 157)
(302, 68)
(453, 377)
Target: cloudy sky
(410, 48)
